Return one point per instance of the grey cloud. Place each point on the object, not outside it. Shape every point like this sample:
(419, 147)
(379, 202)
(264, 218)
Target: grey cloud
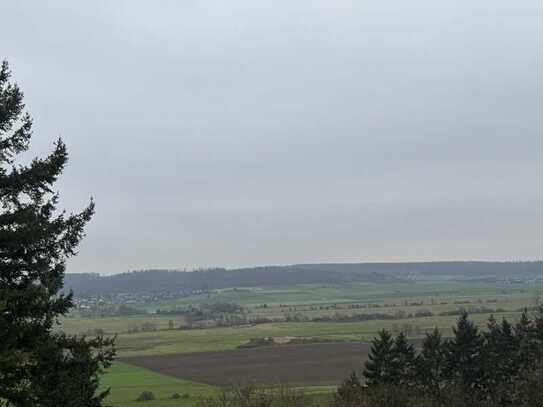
(240, 133)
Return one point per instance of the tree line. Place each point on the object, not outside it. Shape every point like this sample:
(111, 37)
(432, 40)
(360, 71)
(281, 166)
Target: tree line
(501, 366)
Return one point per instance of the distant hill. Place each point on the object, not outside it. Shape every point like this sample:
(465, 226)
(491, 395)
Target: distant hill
(149, 281)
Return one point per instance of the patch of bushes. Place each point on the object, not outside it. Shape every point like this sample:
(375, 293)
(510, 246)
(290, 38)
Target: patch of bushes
(146, 396)
(255, 396)
(353, 318)
(177, 396)
(257, 343)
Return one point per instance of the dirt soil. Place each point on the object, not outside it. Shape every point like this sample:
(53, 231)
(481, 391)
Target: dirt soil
(311, 364)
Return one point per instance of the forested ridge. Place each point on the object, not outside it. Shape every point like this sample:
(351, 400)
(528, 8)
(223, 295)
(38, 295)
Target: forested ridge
(189, 281)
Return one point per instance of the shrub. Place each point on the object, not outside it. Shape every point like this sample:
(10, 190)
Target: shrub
(177, 396)
(254, 396)
(146, 396)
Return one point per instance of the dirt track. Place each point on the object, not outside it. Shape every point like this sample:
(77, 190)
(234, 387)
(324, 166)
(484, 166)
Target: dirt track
(316, 364)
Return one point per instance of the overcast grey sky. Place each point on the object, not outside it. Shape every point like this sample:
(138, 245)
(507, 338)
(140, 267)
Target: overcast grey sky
(236, 133)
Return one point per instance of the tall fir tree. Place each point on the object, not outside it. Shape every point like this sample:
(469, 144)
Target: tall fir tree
(37, 366)
(430, 363)
(403, 361)
(499, 362)
(464, 357)
(538, 328)
(528, 346)
(379, 369)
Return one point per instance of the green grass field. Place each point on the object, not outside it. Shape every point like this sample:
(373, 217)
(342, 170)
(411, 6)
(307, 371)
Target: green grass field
(112, 325)
(214, 339)
(368, 292)
(436, 295)
(127, 382)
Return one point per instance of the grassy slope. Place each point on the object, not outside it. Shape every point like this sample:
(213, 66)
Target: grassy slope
(176, 341)
(361, 292)
(432, 293)
(127, 382)
(112, 325)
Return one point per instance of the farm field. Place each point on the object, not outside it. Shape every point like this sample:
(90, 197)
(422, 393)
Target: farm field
(113, 325)
(155, 355)
(297, 365)
(441, 289)
(127, 382)
(438, 295)
(228, 338)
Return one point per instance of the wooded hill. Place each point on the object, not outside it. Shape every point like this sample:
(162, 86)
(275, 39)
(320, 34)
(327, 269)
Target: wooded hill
(149, 281)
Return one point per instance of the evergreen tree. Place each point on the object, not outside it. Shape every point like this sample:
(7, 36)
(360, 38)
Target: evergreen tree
(430, 363)
(499, 362)
(35, 242)
(523, 328)
(538, 328)
(464, 357)
(74, 363)
(349, 391)
(379, 368)
(509, 349)
(403, 361)
(528, 347)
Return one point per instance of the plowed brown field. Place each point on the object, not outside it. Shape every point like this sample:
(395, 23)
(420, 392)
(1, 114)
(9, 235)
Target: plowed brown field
(311, 364)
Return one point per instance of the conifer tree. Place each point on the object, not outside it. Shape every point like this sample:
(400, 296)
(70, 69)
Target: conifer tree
(538, 327)
(379, 368)
(523, 327)
(509, 349)
(430, 363)
(528, 348)
(403, 361)
(464, 357)
(349, 391)
(499, 361)
(35, 242)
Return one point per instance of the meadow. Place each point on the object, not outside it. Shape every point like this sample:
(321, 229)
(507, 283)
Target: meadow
(127, 382)
(402, 299)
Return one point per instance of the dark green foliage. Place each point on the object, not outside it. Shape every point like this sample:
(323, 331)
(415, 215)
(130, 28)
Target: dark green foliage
(379, 368)
(503, 366)
(390, 361)
(35, 242)
(430, 363)
(403, 361)
(385, 396)
(528, 347)
(500, 362)
(538, 331)
(66, 373)
(349, 391)
(168, 281)
(464, 356)
(177, 396)
(528, 390)
(146, 396)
